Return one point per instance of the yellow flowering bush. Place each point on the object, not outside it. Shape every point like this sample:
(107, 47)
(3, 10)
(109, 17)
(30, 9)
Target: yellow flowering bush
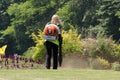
(71, 42)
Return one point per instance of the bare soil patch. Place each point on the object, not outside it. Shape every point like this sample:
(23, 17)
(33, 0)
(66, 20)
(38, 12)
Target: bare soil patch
(75, 62)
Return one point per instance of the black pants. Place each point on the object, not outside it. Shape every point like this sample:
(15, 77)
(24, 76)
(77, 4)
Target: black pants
(52, 50)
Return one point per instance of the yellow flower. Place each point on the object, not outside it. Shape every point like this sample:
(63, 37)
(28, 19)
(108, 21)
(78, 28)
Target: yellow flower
(2, 49)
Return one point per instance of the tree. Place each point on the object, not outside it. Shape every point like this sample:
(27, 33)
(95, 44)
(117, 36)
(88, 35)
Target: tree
(28, 17)
(107, 17)
(4, 17)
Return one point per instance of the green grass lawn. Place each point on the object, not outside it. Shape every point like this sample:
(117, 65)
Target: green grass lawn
(61, 74)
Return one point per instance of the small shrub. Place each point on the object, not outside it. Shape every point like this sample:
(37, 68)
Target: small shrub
(100, 63)
(101, 46)
(29, 53)
(116, 66)
(89, 45)
(117, 52)
(105, 48)
(71, 42)
(38, 51)
(104, 63)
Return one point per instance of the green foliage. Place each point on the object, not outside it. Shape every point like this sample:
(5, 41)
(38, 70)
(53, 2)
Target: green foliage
(117, 51)
(27, 17)
(9, 31)
(29, 53)
(116, 66)
(102, 46)
(38, 39)
(118, 14)
(83, 14)
(92, 31)
(89, 47)
(8, 38)
(105, 49)
(40, 52)
(108, 16)
(100, 63)
(65, 13)
(22, 12)
(105, 46)
(21, 18)
(78, 13)
(71, 42)
(4, 17)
